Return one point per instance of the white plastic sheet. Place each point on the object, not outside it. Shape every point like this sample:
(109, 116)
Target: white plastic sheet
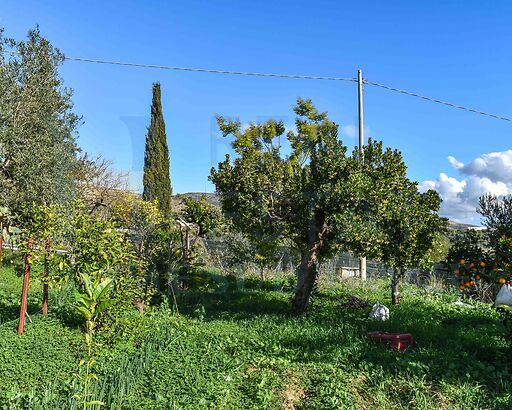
(379, 312)
(504, 296)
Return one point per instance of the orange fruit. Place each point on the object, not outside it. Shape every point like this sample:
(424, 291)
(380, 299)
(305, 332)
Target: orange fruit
(477, 277)
(462, 262)
(471, 283)
(482, 264)
(471, 265)
(502, 281)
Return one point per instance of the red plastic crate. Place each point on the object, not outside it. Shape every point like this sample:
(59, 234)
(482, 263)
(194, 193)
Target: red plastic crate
(398, 341)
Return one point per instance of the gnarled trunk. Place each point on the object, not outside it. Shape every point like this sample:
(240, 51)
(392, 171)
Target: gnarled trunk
(394, 285)
(307, 271)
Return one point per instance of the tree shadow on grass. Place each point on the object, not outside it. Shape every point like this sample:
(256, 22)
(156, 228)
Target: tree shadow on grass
(453, 344)
(239, 298)
(10, 312)
(66, 315)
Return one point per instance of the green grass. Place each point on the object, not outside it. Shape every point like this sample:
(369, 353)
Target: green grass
(235, 346)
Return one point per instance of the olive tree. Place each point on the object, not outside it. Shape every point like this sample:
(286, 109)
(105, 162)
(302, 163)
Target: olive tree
(37, 124)
(319, 198)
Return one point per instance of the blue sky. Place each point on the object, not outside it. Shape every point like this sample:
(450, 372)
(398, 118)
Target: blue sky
(452, 50)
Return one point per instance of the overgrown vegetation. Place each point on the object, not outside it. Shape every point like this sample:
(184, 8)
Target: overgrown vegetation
(138, 312)
(234, 345)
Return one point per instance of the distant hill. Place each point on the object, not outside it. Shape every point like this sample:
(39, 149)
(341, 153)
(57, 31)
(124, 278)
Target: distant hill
(213, 199)
(177, 200)
(457, 226)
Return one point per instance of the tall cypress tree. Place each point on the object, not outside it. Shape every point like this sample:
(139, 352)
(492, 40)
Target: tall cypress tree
(157, 182)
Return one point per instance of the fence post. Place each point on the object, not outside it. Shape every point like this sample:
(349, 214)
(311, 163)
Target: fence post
(24, 292)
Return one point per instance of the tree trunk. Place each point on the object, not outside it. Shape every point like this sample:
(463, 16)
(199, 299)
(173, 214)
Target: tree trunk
(139, 302)
(45, 276)
(1, 242)
(307, 271)
(394, 286)
(187, 249)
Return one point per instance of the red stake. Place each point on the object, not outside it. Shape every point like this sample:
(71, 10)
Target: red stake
(45, 277)
(24, 292)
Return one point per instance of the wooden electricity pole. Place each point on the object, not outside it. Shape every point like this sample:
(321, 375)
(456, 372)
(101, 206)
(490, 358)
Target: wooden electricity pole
(362, 261)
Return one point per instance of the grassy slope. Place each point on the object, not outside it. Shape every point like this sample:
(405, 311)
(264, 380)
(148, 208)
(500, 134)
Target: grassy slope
(237, 347)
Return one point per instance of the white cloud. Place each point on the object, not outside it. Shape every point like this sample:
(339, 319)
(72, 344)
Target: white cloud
(497, 166)
(477, 186)
(450, 189)
(349, 130)
(489, 173)
(352, 131)
(455, 163)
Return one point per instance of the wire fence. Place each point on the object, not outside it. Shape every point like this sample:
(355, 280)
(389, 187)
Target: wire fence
(344, 265)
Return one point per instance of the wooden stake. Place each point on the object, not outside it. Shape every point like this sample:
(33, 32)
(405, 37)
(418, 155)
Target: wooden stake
(24, 292)
(46, 277)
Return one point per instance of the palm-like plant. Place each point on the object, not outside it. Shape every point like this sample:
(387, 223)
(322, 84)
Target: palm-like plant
(93, 302)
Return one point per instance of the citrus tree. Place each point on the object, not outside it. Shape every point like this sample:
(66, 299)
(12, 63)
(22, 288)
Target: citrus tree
(411, 228)
(41, 240)
(318, 198)
(485, 257)
(99, 253)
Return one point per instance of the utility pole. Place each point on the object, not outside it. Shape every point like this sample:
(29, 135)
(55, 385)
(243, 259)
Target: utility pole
(362, 261)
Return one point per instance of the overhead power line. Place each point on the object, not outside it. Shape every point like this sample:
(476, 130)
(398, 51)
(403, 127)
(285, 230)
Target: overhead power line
(303, 77)
(292, 76)
(211, 71)
(435, 100)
